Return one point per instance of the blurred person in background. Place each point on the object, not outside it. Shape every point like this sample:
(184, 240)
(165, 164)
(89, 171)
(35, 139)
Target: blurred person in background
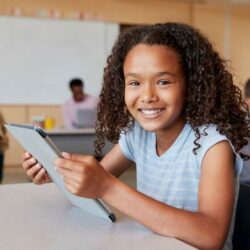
(4, 143)
(245, 173)
(78, 100)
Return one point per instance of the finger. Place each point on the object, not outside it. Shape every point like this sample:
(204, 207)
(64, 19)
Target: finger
(66, 155)
(47, 177)
(29, 163)
(33, 170)
(70, 182)
(40, 176)
(70, 185)
(25, 156)
(81, 158)
(65, 173)
(67, 164)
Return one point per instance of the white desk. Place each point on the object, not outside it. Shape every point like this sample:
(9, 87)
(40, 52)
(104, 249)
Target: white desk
(80, 141)
(39, 217)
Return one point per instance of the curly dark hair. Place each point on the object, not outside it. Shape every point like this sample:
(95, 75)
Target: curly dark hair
(211, 96)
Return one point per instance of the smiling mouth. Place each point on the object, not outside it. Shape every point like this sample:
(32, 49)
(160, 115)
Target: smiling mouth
(151, 113)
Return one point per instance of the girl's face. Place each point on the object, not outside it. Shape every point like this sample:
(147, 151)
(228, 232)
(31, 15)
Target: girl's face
(154, 87)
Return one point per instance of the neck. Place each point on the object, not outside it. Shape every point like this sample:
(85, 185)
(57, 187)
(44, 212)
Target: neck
(79, 100)
(165, 138)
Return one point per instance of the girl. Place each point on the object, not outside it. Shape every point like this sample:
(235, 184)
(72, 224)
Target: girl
(170, 102)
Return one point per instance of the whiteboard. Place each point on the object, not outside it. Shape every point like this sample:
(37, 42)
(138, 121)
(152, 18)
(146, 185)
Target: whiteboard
(38, 57)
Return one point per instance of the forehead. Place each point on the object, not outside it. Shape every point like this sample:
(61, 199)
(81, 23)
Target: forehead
(152, 56)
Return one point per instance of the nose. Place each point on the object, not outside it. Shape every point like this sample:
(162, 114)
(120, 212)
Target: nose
(148, 94)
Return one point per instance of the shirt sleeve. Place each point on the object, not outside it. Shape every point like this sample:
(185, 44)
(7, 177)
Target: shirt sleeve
(126, 144)
(213, 137)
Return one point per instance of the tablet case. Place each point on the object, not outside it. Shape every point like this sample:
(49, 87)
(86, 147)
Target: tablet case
(34, 140)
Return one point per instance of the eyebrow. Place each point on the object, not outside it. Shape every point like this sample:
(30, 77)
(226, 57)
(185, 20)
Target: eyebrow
(156, 74)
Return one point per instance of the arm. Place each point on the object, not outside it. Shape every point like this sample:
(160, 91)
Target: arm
(207, 228)
(115, 162)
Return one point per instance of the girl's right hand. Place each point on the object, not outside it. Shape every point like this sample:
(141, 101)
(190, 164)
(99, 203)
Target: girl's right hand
(34, 169)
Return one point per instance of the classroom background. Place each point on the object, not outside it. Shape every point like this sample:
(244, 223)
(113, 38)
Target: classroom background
(46, 43)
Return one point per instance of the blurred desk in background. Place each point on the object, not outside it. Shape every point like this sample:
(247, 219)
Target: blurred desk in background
(79, 141)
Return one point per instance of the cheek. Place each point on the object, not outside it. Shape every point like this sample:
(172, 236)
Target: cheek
(179, 98)
(173, 98)
(130, 98)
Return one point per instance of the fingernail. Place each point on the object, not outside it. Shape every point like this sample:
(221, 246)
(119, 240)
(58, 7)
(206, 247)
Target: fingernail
(32, 160)
(65, 155)
(56, 168)
(38, 166)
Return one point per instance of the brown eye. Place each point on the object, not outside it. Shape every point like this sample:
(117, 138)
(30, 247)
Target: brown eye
(134, 83)
(163, 82)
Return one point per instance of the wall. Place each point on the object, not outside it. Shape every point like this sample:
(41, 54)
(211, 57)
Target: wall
(227, 26)
(40, 56)
(23, 114)
(122, 11)
(239, 42)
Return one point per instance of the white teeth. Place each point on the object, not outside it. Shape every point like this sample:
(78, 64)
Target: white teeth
(151, 111)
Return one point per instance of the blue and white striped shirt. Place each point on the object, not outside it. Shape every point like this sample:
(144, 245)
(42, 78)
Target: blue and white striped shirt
(173, 178)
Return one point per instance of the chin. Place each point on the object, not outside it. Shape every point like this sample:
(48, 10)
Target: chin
(151, 127)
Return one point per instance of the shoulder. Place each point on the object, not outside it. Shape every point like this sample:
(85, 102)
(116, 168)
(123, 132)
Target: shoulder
(135, 131)
(129, 134)
(210, 129)
(214, 142)
(210, 135)
(91, 97)
(131, 139)
(67, 103)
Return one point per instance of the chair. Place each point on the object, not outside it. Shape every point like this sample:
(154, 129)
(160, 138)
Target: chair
(241, 236)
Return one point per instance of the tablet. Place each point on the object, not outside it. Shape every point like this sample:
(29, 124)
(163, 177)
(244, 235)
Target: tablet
(35, 140)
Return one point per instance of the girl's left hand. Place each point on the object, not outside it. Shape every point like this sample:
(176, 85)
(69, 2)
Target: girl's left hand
(83, 175)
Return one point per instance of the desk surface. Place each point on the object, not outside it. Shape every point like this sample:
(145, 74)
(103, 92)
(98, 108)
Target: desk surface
(40, 217)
